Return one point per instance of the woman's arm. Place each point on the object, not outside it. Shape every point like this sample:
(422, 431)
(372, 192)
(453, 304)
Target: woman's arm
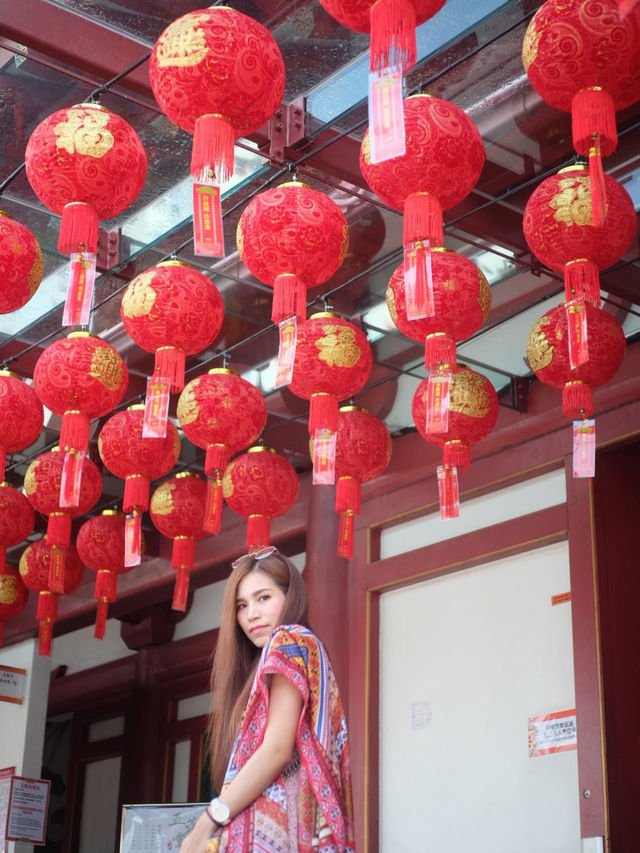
(267, 762)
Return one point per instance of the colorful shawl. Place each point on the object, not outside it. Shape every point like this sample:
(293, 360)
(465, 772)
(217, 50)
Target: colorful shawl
(308, 807)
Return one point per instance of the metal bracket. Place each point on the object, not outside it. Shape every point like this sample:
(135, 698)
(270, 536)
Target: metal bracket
(108, 254)
(286, 127)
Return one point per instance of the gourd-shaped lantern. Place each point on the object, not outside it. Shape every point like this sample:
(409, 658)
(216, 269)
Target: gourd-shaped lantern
(222, 413)
(292, 237)
(35, 569)
(549, 358)
(260, 485)
(218, 74)
(79, 377)
(558, 227)
(392, 24)
(177, 509)
(87, 164)
(584, 58)
(363, 451)
(137, 460)
(21, 416)
(332, 363)
(461, 303)
(16, 523)
(173, 310)
(100, 544)
(472, 414)
(42, 485)
(21, 264)
(442, 163)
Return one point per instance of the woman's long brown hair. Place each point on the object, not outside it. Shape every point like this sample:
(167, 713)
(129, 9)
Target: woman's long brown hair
(236, 658)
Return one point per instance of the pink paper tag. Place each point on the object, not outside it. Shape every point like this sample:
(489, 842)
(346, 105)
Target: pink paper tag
(132, 529)
(208, 232)
(584, 448)
(386, 115)
(577, 327)
(418, 281)
(438, 391)
(82, 276)
(324, 457)
(156, 407)
(286, 351)
(71, 478)
(448, 492)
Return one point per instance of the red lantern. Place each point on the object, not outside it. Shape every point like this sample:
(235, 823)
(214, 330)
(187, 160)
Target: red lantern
(173, 310)
(548, 354)
(100, 544)
(472, 414)
(16, 523)
(443, 160)
(583, 57)
(177, 510)
(363, 451)
(260, 485)
(136, 460)
(21, 416)
(461, 303)
(42, 485)
(392, 24)
(558, 227)
(218, 74)
(13, 594)
(21, 264)
(292, 237)
(222, 413)
(35, 569)
(80, 377)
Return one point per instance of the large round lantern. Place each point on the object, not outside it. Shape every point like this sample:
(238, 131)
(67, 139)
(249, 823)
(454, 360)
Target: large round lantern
(42, 485)
(21, 264)
(363, 451)
(260, 485)
(472, 414)
(80, 377)
(218, 74)
(13, 594)
(173, 310)
(21, 416)
(292, 237)
(177, 509)
(461, 303)
(558, 227)
(137, 460)
(442, 163)
(583, 57)
(35, 570)
(16, 523)
(87, 164)
(549, 357)
(100, 544)
(222, 413)
(392, 24)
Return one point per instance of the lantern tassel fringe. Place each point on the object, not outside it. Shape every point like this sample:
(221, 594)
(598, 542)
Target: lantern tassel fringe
(136, 493)
(78, 229)
(289, 298)
(323, 413)
(577, 400)
(258, 530)
(393, 35)
(582, 282)
(74, 432)
(456, 455)
(212, 153)
(348, 493)
(216, 460)
(593, 116)
(169, 364)
(422, 220)
(439, 352)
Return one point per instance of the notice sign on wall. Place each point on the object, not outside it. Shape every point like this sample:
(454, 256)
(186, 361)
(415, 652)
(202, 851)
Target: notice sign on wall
(28, 802)
(12, 681)
(5, 789)
(555, 732)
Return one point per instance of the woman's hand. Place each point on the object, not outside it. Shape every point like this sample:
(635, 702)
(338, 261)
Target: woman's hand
(196, 841)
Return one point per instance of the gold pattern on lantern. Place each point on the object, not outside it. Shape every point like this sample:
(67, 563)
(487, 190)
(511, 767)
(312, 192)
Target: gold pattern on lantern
(184, 44)
(35, 273)
(107, 367)
(539, 349)
(572, 204)
(85, 132)
(469, 395)
(227, 486)
(162, 500)
(30, 479)
(188, 409)
(139, 298)
(484, 294)
(391, 304)
(338, 348)
(530, 46)
(8, 591)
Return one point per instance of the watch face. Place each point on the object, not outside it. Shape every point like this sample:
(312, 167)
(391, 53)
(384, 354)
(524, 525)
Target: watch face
(220, 811)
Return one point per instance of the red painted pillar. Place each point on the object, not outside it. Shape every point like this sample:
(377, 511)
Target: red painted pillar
(327, 579)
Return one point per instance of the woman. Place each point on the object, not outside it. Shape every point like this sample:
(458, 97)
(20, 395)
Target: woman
(278, 737)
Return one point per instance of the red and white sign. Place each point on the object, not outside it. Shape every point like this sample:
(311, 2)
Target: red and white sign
(28, 803)
(556, 732)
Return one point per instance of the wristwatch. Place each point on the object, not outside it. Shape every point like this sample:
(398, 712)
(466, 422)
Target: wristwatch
(219, 811)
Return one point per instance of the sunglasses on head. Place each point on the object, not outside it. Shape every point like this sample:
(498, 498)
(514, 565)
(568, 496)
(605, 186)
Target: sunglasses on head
(258, 554)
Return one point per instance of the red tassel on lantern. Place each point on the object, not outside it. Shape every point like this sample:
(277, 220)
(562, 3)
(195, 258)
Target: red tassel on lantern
(78, 229)
(212, 153)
